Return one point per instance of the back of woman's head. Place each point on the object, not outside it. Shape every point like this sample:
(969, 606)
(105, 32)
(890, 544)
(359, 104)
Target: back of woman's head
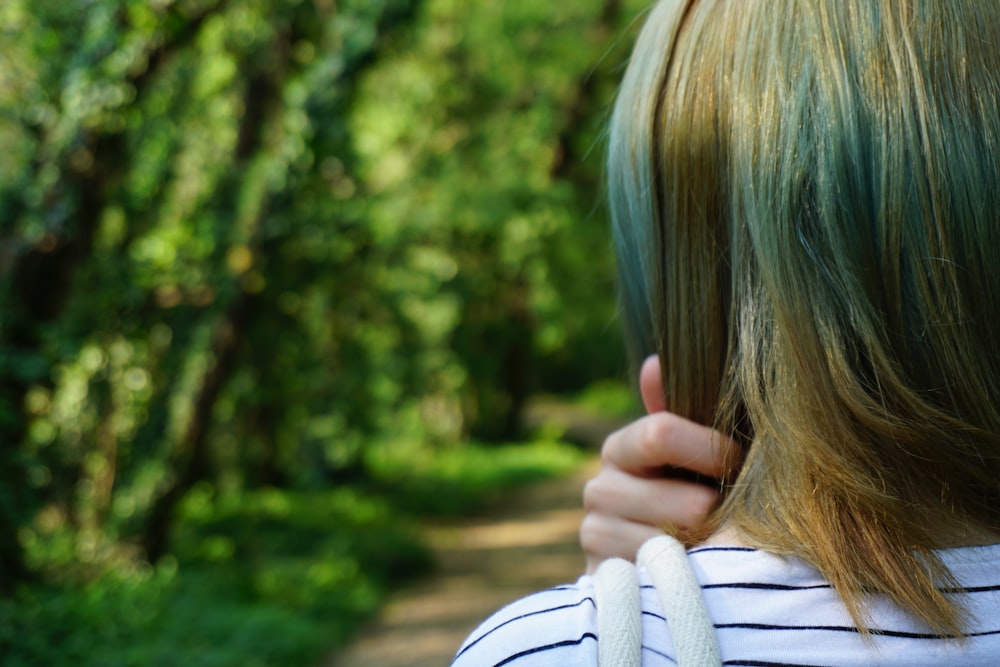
(807, 218)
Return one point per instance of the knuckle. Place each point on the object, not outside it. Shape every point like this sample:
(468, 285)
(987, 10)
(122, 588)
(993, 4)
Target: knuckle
(658, 438)
(593, 493)
(610, 447)
(589, 495)
(591, 535)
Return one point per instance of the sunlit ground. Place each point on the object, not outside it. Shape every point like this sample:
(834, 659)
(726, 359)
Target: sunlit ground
(529, 544)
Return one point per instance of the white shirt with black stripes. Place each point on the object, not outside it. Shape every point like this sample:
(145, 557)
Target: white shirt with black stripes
(767, 611)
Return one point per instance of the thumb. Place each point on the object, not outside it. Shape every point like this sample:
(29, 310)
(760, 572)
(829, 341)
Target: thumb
(651, 385)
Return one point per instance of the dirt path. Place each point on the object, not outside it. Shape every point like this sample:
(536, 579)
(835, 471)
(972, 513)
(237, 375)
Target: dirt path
(527, 545)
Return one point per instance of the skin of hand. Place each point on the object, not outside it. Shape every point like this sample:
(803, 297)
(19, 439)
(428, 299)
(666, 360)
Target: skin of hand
(631, 499)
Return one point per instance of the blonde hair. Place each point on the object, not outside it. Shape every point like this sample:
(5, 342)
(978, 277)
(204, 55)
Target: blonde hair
(806, 212)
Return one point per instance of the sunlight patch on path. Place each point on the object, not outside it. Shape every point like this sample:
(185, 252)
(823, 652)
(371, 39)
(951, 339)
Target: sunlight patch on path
(549, 528)
(484, 564)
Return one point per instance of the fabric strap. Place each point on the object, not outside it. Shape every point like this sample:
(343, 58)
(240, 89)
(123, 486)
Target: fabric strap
(619, 620)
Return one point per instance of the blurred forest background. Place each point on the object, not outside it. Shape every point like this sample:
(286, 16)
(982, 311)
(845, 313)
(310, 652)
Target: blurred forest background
(277, 278)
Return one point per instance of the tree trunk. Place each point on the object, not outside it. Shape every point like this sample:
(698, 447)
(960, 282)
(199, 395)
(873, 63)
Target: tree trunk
(192, 452)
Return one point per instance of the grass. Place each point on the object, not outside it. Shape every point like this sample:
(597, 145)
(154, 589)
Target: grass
(463, 480)
(269, 577)
(609, 398)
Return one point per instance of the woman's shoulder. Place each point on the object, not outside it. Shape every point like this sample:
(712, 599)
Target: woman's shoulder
(765, 609)
(553, 627)
(559, 626)
(771, 609)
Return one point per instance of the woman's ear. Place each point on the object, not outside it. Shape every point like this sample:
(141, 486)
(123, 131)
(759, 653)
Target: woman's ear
(651, 385)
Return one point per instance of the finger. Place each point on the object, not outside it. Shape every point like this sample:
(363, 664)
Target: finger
(648, 444)
(654, 502)
(604, 537)
(651, 385)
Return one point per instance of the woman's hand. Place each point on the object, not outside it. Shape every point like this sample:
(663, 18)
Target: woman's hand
(631, 498)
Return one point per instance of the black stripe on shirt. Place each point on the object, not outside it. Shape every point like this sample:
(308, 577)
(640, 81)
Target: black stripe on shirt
(703, 550)
(765, 586)
(577, 642)
(547, 647)
(765, 663)
(663, 655)
(548, 610)
(972, 589)
(846, 628)
(521, 617)
(786, 587)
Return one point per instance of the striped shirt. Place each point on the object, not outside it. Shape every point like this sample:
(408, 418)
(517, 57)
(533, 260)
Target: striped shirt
(767, 611)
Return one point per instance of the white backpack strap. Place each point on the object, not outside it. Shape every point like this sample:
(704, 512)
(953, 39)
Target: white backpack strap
(619, 617)
(679, 593)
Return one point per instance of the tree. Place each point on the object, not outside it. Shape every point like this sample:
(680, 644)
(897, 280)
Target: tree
(249, 243)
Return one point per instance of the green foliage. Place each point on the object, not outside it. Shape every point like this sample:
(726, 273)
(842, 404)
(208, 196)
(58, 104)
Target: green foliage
(265, 577)
(155, 620)
(513, 274)
(266, 254)
(456, 481)
(610, 398)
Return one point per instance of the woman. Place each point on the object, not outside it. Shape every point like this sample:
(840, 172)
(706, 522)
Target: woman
(806, 216)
